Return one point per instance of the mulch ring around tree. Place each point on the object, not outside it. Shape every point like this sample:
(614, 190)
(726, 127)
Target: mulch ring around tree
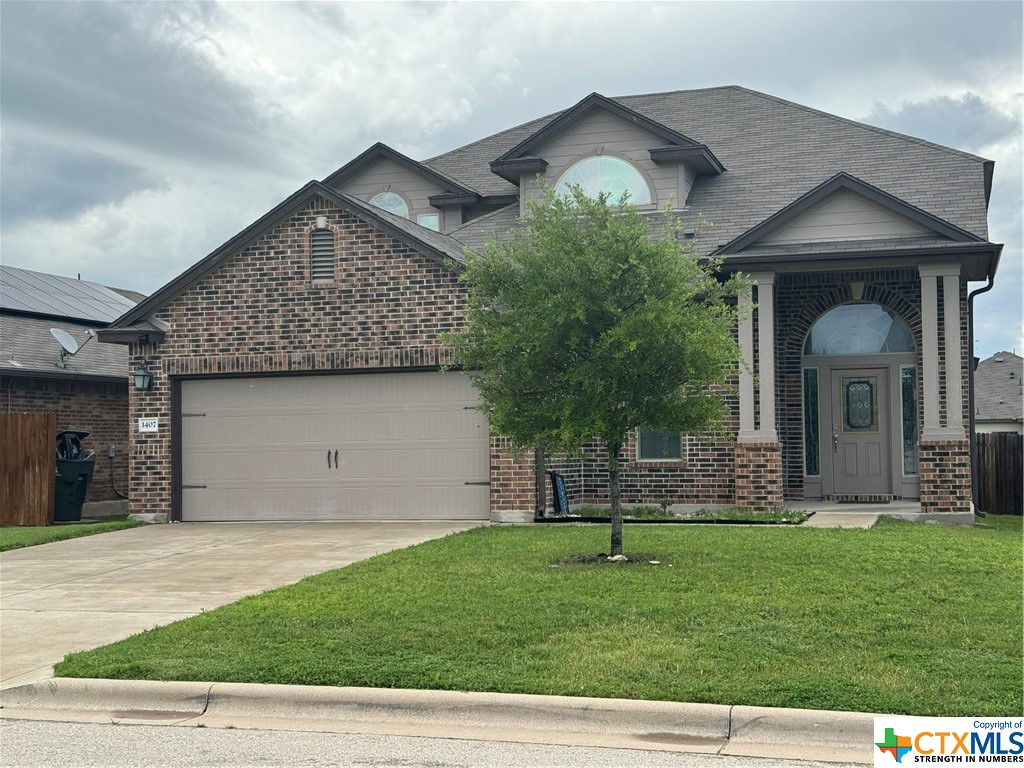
(603, 558)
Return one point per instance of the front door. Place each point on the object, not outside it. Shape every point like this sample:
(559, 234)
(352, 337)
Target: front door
(860, 432)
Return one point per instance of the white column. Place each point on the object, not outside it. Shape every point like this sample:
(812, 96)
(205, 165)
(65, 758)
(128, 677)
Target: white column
(933, 429)
(954, 359)
(930, 352)
(746, 339)
(766, 355)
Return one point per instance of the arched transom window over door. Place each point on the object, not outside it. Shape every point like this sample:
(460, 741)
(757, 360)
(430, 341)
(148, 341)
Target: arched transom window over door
(606, 173)
(858, 329)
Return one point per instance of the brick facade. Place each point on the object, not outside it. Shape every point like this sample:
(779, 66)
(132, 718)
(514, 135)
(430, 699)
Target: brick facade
(758, 472)
(945, 467)
(99, 408)
(513, 479)
(703, 475)
(260, 313)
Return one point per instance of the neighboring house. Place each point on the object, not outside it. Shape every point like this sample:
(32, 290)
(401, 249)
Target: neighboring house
(998, 401)
(89, 390)
(296, 367)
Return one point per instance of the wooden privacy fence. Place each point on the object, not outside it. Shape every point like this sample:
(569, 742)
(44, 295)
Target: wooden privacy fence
(1001, 473)
(28, 463)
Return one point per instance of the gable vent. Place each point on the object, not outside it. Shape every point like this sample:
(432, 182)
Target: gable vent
(321, 255)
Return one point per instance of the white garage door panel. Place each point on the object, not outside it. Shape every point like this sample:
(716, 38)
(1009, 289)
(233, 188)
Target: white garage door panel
(407, 445)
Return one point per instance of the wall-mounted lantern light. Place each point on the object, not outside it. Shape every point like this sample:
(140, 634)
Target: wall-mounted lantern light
(143, 378)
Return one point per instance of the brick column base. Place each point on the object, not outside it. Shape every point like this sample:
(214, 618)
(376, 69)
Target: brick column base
(758, 474)
(513, 480)
(945, 473)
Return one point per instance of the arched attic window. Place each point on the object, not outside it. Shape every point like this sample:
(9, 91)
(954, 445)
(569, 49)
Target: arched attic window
(859, 329)
(606, 173)
(321, 255)
(390, 201)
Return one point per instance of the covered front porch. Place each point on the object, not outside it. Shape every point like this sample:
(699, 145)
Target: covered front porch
(853, 390)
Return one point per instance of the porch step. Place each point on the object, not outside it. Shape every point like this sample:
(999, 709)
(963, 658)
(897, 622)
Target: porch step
(879, 498)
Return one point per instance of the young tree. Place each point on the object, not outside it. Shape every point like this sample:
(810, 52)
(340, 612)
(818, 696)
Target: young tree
(582, 326)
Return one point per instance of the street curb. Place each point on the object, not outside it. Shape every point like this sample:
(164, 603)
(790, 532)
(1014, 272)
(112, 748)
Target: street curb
(566, 720)
(83, 699)
(809, 734)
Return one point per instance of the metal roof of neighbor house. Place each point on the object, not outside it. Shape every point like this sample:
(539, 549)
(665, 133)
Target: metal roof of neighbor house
(37, 293)
(775, 152)
(28, 349)
(997, 388)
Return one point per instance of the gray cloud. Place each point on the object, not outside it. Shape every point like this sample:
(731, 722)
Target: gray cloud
(969, 122)
(117, 74)
(174, 124)
(45, 180)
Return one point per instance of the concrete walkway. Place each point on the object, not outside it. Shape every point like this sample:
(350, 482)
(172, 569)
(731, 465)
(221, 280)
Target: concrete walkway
(830, 514)
(86, 592)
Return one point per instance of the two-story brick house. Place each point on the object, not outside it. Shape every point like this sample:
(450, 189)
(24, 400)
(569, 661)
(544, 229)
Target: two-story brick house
(295, 368)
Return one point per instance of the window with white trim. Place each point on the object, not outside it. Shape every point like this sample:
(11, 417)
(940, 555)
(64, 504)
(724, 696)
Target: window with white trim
(321, 255)
(606, 173)
(430, 221)
(391, 201)
(656, 445)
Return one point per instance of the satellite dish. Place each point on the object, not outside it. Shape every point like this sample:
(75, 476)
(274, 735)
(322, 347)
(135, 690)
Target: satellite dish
(66, 340)
(68, 345)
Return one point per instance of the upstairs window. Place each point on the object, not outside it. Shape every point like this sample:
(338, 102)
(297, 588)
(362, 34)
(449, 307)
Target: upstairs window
(321, 255)
(390, 201)
(430, 221)
(606, 173)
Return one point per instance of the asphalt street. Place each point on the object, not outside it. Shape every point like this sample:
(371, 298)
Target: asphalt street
(38, 744)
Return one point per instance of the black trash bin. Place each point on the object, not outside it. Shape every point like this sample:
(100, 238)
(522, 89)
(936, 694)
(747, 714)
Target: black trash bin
(74, 473)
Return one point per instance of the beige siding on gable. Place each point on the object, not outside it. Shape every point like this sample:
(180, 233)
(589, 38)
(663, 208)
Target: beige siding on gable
(387, 175)
(602, 132)
(845, 215)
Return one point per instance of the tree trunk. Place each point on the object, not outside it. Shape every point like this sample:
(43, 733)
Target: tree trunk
(613, 489)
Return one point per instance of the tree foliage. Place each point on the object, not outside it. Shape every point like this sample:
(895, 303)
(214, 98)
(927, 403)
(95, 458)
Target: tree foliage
(583, 326)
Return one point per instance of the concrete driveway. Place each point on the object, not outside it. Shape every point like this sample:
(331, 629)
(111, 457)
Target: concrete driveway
(78, 594)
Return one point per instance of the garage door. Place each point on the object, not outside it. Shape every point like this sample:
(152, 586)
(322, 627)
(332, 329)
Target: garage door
(395, 446)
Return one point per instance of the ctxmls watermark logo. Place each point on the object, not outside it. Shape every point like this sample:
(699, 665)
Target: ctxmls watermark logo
(931, 740)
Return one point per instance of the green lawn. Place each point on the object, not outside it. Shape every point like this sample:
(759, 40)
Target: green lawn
(903, 618)
(15, 537)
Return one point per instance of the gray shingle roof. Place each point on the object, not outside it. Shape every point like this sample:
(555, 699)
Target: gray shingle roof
(997, 388)
(27, 348)
(22, 290)
(775, 151)
(443, 243)
(476, 233)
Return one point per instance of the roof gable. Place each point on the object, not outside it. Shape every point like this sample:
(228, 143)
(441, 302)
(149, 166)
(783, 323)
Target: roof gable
(845, 208)
(775, 150)
(381, 151)
(525, 157)
(432, 245)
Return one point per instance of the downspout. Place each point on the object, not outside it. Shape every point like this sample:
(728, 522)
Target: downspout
(972, 438)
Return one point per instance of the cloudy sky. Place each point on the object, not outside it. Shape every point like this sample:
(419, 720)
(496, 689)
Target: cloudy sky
(137, 137)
